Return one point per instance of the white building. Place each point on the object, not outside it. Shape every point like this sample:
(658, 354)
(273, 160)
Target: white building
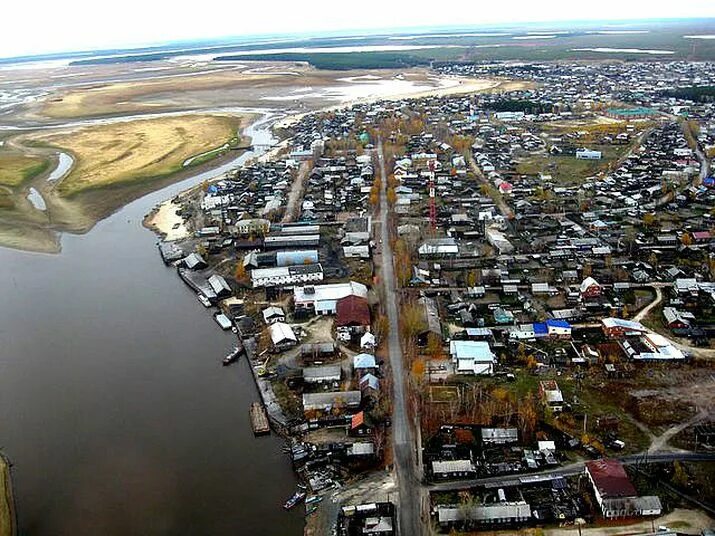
(586, 154)
(472, 357)
(323, 299)
(286, 275)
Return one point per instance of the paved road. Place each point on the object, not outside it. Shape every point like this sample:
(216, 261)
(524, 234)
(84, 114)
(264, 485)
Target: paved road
(410, 520)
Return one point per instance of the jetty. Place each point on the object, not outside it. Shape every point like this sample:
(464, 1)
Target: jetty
(259, 419)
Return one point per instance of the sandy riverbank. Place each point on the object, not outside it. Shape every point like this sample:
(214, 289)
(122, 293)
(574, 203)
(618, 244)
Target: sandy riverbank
(165, 222)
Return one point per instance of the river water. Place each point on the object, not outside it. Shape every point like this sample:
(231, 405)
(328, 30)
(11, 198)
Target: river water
(114, 407)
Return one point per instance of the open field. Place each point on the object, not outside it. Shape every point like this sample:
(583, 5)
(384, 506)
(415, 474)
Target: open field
(568, 170)
(121, 153)
(16, 168)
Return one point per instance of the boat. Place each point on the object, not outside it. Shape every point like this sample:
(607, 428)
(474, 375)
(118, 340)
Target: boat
(204, 300)
(232, 356)
(313, 499)
(310, 509)
(297, 497)
(223, 321)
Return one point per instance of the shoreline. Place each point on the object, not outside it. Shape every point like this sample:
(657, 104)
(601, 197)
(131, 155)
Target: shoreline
(8, 511)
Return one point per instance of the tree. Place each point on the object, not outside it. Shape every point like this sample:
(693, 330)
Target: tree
(680, 476)
(587, 270)
(391, 197)
(649, 219)
(434, 346)
(527, 416)
(381, 327)
(240, 273)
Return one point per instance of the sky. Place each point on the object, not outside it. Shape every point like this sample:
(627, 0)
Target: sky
(46, 26)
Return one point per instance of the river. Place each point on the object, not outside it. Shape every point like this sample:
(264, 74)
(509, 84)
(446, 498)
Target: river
(114, 407)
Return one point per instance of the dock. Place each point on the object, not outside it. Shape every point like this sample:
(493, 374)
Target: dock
(259, 419)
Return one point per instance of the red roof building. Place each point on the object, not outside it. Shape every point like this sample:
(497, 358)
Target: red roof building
(615, 493)
(609, 479)
(352, 312)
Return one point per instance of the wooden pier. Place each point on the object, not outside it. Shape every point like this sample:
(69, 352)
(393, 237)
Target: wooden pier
(259, 419)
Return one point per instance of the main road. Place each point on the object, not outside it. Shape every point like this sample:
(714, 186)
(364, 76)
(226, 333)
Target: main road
(410, 519)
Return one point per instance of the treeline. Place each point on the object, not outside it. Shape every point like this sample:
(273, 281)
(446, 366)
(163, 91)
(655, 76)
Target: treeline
(694, 93)
(339, 61)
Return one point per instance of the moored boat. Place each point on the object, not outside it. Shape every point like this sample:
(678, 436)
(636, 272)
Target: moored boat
(232, 356)
(297, 497)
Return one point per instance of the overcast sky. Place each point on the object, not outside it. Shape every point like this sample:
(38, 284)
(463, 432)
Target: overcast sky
(57, 26)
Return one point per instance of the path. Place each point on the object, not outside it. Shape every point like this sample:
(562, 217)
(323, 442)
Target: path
(410, 519)
(648, 308)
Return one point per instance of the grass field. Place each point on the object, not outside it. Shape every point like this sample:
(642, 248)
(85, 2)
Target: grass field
(127, 152)
(569, 170)
(16, 168)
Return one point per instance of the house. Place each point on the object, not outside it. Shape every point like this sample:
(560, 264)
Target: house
(590, 288)
(352, 314)
(522, 332)
(432, 324)
(617, 328)
(282, 336)
(369, 385)
(585, 154)
(492, 515)
(686, 286)
(273, 314)
(318, 351)
(651, 347)
(503, 316)
(675, 319)
(451, 469)
(500, 436)
(252, 227)
(194, 261)
(364, 362)
(367, 341)
(360, 251)
(551, 396)
(323, 299)
(335, 400)
(286, 275)
(219, 285)
(322, 374)
(615, 493)
(439, 247)
(472, 357)
(296, 257)
(497, 239)
(359, 425)
(558, 328)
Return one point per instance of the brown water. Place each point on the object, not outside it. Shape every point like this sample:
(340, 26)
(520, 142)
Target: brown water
(114, 407)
